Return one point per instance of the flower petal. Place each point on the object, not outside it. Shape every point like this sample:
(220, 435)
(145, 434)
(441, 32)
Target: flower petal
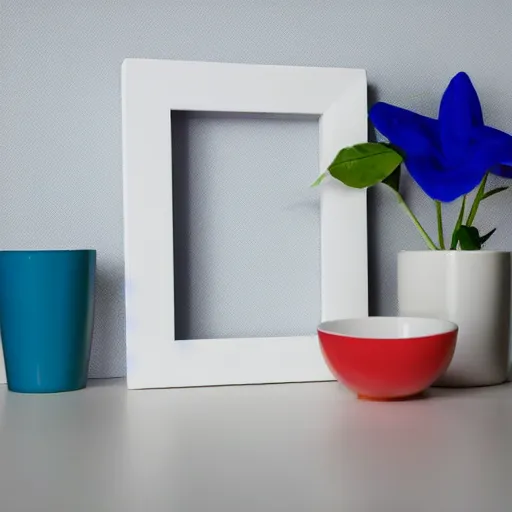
(459, 113)
(505, 171)
(491, 148)
(442, 184)
(413, 133)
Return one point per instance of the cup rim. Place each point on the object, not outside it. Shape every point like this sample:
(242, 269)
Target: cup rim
(42, 251)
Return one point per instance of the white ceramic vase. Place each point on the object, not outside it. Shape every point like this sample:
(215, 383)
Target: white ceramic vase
(471, 289)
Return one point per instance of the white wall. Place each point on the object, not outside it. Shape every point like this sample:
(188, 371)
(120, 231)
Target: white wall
(60, 120)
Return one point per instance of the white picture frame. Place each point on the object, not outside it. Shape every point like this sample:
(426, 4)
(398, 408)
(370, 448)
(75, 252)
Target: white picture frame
(151, 89)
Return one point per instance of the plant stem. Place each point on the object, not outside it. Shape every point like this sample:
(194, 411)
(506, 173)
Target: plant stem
(476, 202)
(458, 224)
(416, 222)
(440, 234)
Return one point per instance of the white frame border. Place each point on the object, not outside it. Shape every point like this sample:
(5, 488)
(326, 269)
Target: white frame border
(151, 89)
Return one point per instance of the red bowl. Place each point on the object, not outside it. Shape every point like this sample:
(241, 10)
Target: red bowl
(388, 358)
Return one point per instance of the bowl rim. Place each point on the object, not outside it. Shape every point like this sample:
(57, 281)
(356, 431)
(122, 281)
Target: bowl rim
(450, 327)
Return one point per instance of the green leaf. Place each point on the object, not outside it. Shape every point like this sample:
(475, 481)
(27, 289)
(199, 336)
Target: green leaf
(365, 165)
(486, 237)
(393, 180)
(494, 191)
(398, 149)
(319, 179)
(458, 224)
(469, 238)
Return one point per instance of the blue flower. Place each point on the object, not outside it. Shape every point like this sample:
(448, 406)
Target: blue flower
(449, 156)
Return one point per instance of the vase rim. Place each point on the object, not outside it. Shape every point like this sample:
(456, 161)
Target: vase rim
(453, 251)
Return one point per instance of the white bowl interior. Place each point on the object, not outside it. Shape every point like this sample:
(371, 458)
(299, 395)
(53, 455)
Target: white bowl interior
(387, 327)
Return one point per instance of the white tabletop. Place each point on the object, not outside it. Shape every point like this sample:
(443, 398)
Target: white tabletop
(296, 448)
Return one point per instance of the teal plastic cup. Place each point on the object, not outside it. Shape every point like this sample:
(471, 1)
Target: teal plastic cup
(46, 318)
